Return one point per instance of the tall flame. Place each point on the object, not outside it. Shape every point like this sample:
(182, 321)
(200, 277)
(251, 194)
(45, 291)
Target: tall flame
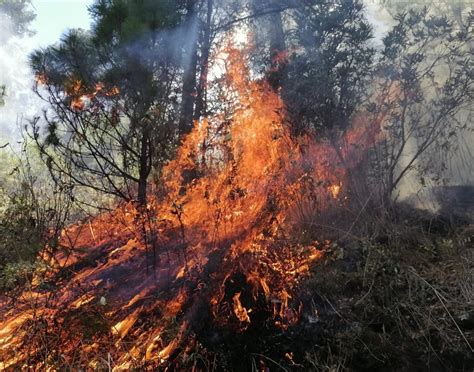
(238, 184)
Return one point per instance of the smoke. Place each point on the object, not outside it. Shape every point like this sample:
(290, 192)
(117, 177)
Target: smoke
(453, 165)
(20, 102)
(173, 45)
(379, 18)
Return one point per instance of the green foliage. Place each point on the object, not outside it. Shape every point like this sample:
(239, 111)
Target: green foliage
(8, 176)
(327, 78)
(127, 20)
(14, 273)
(33, 211)
(21, 238)
(123, 129)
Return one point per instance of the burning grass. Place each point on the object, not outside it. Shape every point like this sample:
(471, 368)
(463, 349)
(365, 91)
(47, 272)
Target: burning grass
(214, 273)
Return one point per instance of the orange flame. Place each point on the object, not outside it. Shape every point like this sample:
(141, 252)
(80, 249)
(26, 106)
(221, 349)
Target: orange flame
(240, 312)
(335, 190)
(80, 96)
(239, 183)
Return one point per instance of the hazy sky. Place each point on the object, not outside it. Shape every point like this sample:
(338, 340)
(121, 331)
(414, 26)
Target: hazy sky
(53, 18)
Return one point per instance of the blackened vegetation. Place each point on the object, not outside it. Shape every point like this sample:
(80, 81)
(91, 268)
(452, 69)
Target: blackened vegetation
(456, 201)
(398, 301)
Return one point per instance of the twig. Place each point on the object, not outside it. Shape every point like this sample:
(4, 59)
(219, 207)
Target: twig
(344, 319)
(270, 360)
(441, 298)
(336, 229)
(357, 217)
(364, 296)
(92, 232)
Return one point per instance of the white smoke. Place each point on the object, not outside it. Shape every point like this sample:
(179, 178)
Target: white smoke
(459, 160)
(379, 18)
(20, 102)
(53, 17)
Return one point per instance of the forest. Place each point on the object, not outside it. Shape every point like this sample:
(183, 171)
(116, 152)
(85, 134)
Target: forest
(242, 185)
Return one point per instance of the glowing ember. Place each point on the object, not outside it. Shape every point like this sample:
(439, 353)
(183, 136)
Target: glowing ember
(335, 190)
(79, 95)
(240, 312)
(41, 79)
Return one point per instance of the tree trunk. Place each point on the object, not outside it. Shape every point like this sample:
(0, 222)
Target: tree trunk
(273, 34)
(189, 78)
(277, 47)
(144, 166)
(204, 62)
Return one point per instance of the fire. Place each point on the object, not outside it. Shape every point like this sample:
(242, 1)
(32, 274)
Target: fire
(236, 189)
(78, 104)
(121, 328)
(78, 94)
(335, 190)
(79, 101)
(240, 312)
(41, 79)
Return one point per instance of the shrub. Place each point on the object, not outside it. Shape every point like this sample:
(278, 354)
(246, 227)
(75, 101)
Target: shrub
(21, 238)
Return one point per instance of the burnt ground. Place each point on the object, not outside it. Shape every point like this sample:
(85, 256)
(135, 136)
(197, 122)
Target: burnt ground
(399, 300)
(395, 298)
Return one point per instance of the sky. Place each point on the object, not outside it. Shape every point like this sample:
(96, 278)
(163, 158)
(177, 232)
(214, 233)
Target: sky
(53, 18)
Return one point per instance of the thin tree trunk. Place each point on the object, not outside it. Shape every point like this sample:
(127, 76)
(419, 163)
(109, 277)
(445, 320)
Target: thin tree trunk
(189, 78)
(205, 52)
(277, 47)
(144, 166)
(274, 34)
